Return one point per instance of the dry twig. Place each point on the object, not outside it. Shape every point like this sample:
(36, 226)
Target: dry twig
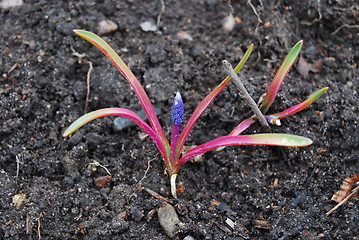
(244, 93)
(39, 225)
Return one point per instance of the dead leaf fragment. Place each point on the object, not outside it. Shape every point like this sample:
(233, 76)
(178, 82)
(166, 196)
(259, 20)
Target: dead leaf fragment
(345, 189)
(304, 67)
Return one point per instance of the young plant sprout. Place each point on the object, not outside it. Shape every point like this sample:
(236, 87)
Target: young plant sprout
(271, 93)
(172, 152)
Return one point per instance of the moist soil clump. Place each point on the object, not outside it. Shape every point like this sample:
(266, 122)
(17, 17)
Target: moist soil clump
(248, 192)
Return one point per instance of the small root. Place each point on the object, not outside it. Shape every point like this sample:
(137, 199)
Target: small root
(88, 78)
(249, 2)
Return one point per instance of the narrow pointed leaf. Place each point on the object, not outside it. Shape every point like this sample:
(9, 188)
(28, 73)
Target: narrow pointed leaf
(121, 112)
(207, 101)
(240, 128)
(243, 126)
(130, 77)
(301, 106)
(279, 77)
(274, 139)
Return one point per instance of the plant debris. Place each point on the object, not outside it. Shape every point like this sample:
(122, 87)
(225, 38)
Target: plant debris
(345, 189)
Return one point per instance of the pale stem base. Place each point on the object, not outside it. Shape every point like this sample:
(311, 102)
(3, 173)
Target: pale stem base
(173, 185)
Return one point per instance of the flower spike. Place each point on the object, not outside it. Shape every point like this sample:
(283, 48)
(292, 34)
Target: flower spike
(177, 113)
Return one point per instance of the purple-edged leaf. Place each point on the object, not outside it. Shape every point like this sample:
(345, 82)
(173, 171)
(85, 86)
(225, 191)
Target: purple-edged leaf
(120, 112)
(243, 126)
(274, 139)
(279, 77)
(301, 106)
(207, 101)
(130, 77)
(240, 128)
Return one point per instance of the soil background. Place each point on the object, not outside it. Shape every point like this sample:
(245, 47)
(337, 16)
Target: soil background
(239, 193)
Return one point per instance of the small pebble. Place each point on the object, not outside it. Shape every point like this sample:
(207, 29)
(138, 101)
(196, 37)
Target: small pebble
(136, 214)
(106, 26)
(301, 197)
(148, 26)
(7, 4)
(168, 219)
(184, 35)
(230, 223)
(267, 25)
(228, 23)
(122, 123)
(189, 238)
(349, 84)
(18, 200)
(222, 206)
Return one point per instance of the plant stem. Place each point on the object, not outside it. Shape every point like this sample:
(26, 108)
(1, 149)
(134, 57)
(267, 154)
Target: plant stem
(174, 140)
(245, 95)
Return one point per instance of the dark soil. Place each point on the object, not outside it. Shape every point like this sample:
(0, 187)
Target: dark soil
(43, 90)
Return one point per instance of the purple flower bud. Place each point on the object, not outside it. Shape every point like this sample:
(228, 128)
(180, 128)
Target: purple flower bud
(177, 112)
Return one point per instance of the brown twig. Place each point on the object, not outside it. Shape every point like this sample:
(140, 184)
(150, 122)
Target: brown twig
(156, 195)
(28, 225)
(355, 190)
(245, 95)
(39, 226)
